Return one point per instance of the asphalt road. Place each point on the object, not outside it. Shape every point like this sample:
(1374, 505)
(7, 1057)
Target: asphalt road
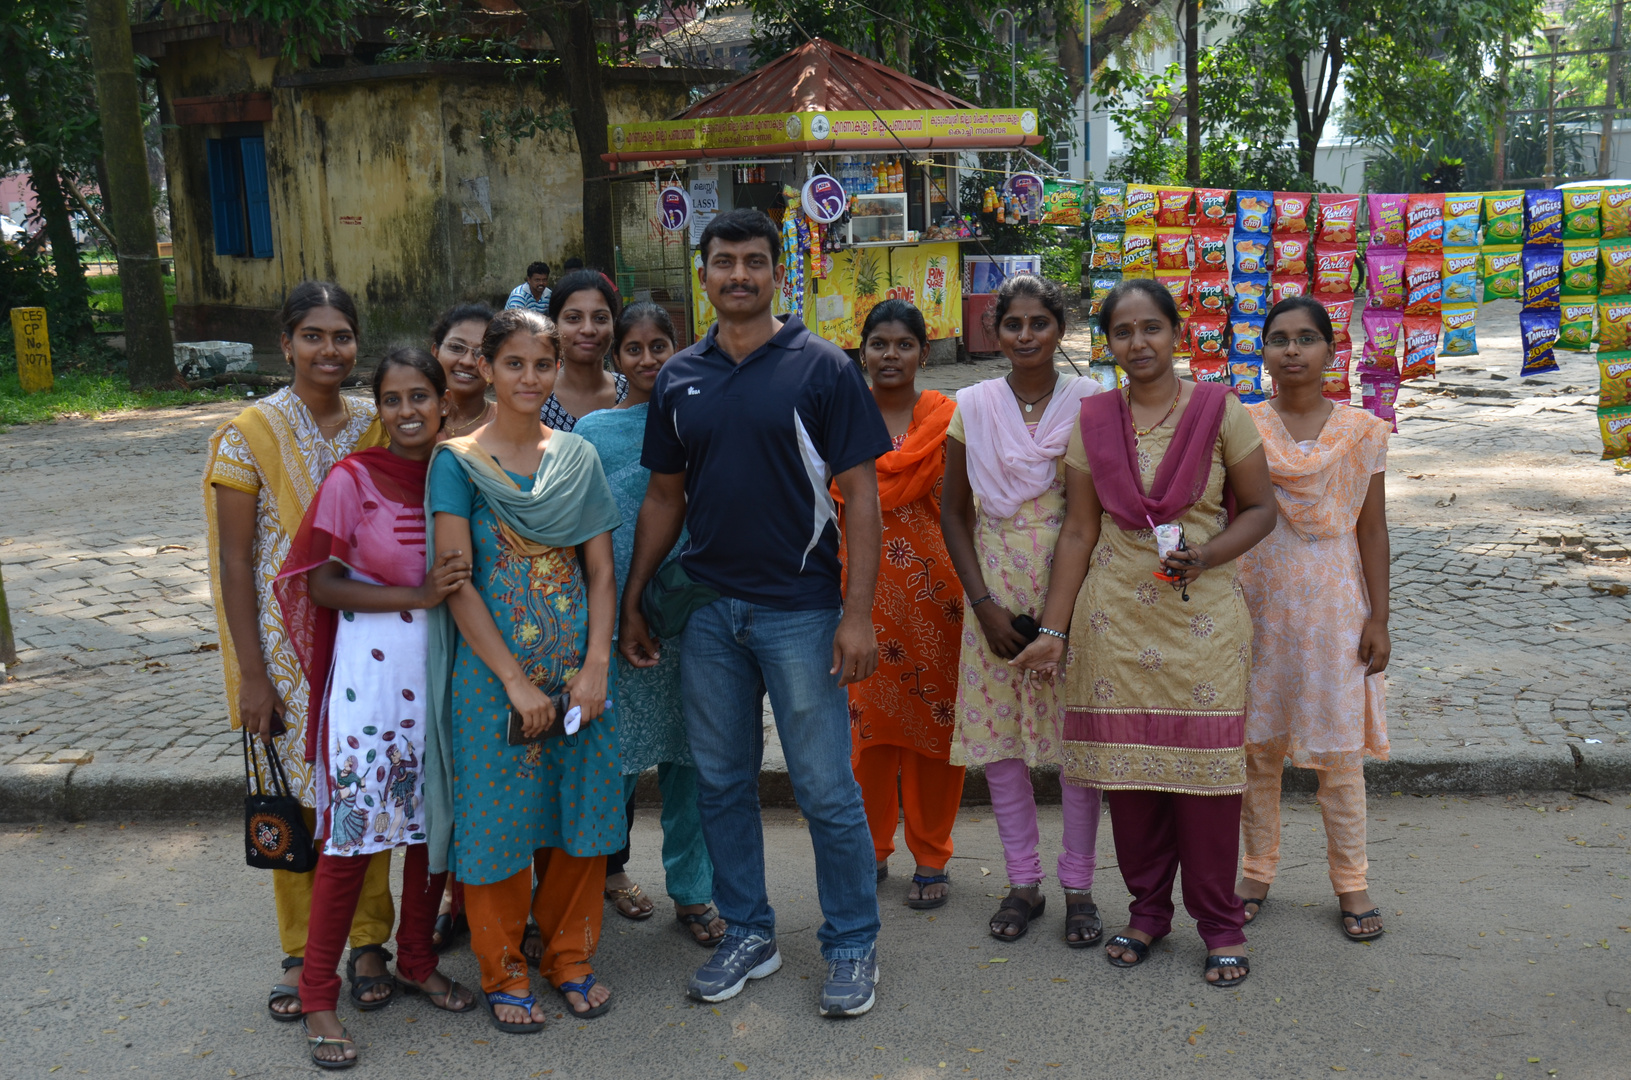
(146, 949)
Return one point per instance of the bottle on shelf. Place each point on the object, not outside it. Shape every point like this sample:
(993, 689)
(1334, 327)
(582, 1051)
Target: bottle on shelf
(900, 177)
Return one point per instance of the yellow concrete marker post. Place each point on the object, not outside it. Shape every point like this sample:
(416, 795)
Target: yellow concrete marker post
(33, 343)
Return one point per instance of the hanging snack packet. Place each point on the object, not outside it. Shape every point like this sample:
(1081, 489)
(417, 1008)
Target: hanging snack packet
(1212, 250)
(1333, 271)
(1099, 353)
(1109, 204)
(1539, 330)
(1172, 206)
(1460, 331)
(1382, 332)
(1461, 220)
(1503, 217)
(1614, 371)
(1339, 219)
(1177, 283)
(1212, 208)
(1061, 203)
(1213, 371)
(1246, 375)
(1574, 324)
(1582, 213)
(1291, 211)
(1172, 248)
(1378, 390)
(1542, 267)
(1138, 253)
(1210, 293)
(1340, 310)
(1285, 286)
(1387, 220)
(1384, 278)
(1290, 253)
(1420, 347)
(1613, 323)
(1460, 274)
(1503, 272)
(1615, 212)
(1615, 425)
(1543, 216)
(1423, 284)
(1614, 259)
(1250, 253)
(1250, 295)
(1206, 337)
(1142, 200)
(1100, 282)
(1337, 386)
(1246, 336)
(1578, 271)
(1254, 211)
(1106, 249)
(1424, 223)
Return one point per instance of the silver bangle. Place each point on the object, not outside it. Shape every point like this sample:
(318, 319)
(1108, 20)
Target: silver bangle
(1053, 633)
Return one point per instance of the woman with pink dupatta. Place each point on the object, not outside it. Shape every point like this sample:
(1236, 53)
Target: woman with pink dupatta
(1001, 504)
(1160, 639)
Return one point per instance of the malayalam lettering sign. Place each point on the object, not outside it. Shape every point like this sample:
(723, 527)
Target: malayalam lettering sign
(814, 131)
(33, 344)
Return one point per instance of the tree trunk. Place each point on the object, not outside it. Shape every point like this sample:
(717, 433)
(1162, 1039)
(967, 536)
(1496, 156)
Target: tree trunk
(1192, 92)
(1116, 29)
(1307, 137)
(8, 644)
(571, 29)
(129, 199)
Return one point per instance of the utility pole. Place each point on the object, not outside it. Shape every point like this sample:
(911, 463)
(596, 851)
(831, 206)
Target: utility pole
(1192, 92)
(1610, 95)
(1500, 113)
(1553, 35)
(148, 345)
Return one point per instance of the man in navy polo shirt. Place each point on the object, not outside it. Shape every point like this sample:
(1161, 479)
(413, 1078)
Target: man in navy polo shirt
(745, 431)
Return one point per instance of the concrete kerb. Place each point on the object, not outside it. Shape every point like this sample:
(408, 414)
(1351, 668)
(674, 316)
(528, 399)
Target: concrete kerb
(116, 790)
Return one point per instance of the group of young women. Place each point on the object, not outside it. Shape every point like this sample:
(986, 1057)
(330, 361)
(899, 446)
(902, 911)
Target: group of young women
(417, 605)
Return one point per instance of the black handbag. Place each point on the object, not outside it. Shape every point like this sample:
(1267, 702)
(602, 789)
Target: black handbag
(275, 833)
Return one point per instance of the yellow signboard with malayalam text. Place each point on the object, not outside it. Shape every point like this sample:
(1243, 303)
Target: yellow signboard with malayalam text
(33, 344)
(822, 132)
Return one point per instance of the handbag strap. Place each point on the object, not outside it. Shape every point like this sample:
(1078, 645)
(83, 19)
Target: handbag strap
(251, 766)
(279, 778)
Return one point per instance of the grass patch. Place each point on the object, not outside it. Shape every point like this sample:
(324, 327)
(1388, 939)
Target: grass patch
(89, 379)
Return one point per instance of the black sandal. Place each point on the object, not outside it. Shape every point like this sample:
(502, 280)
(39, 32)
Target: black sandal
(1082, 917)
(450, 929)
(1020, 913)
(533, 936)
(1256, 903)
(924, 880)
(361, 984)
(315, 1042)
(286, 990)
(1238, 963)
(702, 919)
(1360, 917)
(1122, 941)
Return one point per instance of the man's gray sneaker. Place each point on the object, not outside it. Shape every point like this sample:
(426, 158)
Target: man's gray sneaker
(851, 985)
(735, 961)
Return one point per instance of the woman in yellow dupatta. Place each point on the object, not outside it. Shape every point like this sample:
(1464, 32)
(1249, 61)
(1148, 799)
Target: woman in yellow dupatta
(264, 468)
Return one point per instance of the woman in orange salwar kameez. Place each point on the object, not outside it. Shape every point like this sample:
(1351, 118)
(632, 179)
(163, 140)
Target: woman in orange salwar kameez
(1317, 589)
(902, 719)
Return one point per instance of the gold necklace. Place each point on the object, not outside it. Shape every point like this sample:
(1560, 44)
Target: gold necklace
(454, 429)
(1137, 434)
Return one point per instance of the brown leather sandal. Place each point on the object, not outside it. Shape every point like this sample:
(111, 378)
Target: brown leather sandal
(633, 894)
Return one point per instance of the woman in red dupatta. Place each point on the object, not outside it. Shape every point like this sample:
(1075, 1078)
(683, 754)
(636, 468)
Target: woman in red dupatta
(1155, 686)
(353, 592)
(903, 719)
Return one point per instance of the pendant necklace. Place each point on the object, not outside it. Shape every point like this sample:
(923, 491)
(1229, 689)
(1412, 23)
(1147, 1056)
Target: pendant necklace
(454, 429)
(1137, 434)
(1029, 404)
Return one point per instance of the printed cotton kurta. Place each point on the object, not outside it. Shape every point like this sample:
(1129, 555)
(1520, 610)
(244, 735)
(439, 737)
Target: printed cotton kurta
(1155, 687)
(1305, 588)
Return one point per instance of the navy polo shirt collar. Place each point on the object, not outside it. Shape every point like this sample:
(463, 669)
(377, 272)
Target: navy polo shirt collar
(793, 335)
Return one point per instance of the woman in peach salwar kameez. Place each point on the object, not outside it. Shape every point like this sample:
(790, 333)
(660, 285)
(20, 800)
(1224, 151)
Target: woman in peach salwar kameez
(1317, 589)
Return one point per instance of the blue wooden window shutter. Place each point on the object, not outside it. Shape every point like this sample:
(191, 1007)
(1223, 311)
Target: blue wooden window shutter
(226, 200)
(257, 197)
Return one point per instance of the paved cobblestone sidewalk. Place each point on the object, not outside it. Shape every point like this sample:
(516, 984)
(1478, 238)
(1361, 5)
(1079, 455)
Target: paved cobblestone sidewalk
(1511, 619)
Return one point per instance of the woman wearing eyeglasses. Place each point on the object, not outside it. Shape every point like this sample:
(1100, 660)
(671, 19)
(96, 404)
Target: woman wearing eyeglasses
(1317, 589)
(456, 339)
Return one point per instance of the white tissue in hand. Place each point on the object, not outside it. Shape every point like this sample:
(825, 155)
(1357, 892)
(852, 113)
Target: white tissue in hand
(573, 720)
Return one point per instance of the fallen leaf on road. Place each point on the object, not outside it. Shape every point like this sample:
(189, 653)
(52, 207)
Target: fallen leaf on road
(740, 1067)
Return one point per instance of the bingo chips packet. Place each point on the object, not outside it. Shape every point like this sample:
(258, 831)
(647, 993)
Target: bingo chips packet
(1502, 272)
(1615, 425)
(1177, 283)
(1138, 253)
(1100, 282)
(1290, 253)
(1542, 269)
(1384, 278)
(1613, 323)
(1106, 249)
(1250, 295)
(1212, 250)
(1142, 201)
(1285, 286)
(1460, 273)
(1291, 211)
(1460, 331)
(1578, 271)
(1340, 310)
(1338, 219)
(1333, 271)
(1615, 212)
(1211, 293)
(1423, 284)
(1172, 207)
(1383, 329)
(1543, 216)
(1503, 217)
(1212, 208)
(1614, 259)
(1420, 347)
(1582, 213)
(1378, 390)
(1424, 223)
(1461, 220)
(1207, 338)
(1387, 220)
(1254, 211)
(1250, 252)
(1109, 204)
(1539, 330)
(1614, 369)
(1574, 324)
(1172, 249)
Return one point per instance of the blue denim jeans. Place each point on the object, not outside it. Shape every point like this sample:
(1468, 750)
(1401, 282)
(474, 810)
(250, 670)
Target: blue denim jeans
(732, 652)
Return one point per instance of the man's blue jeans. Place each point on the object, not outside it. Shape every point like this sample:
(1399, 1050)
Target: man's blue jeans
(732, 653)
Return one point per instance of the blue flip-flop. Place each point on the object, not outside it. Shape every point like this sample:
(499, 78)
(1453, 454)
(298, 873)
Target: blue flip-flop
(500, 998)
(582, 988)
